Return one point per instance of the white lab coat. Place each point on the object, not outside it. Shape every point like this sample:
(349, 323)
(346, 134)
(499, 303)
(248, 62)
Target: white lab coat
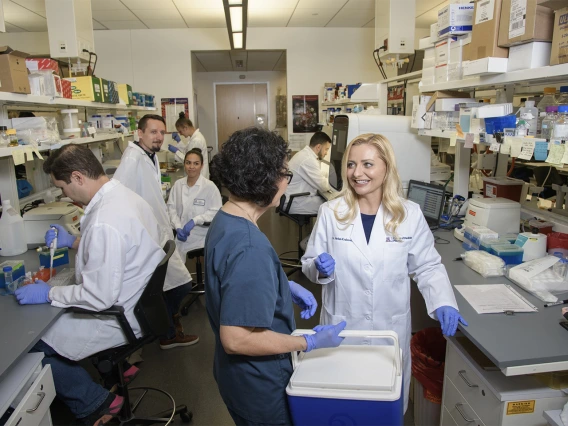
(308, 177)
(200, 202)
(370, 288)
(196, 141)
(137, 172)
(119, 250)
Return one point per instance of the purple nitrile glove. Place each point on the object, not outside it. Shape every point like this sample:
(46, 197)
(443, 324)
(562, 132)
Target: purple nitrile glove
(33, 294)
(64, 238)
(325, 264)
(449, 318)
(188, 227)
(181, 235)
(175, 137)
(304, 299)
(173, 149)
(327, 336)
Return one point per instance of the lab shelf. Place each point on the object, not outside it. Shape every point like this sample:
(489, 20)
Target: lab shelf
(22, 99)
(437, 133)
(549, 74)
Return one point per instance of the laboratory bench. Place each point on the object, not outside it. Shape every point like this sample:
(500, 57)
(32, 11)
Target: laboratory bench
(489, 364)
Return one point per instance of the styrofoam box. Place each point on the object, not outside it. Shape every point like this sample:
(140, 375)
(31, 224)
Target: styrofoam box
(434, 31)
(455, 71)
(429, 63)
(449, 104)
(441, 73)
(429, 53)
(485, 66)
(442, 50)
(428, 72)
(425, 43)
(455, 56)
(529, 55)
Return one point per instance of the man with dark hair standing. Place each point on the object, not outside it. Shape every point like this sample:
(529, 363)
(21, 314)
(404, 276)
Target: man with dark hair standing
(117, 253)
(308, 176)
(139, 170)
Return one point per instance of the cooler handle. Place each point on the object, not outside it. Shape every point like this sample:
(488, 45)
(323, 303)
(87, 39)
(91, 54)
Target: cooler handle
(357, 333)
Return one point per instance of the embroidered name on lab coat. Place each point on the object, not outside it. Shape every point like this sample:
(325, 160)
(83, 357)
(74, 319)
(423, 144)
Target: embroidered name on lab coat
(198, 202)
(397, 240)
(342, 239)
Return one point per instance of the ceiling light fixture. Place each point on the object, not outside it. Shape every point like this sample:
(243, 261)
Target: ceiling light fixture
(236, 18)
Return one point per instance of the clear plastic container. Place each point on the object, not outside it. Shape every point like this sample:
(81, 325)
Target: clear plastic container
(529, 113)
(547, 100)
(4, 141)
(12, 231)
(96, 121)
(70, 118)
(562, 98)
(548, 121)
(12, 137)
(560, 268)
(560, 128)
(8, 280)
(487, 245)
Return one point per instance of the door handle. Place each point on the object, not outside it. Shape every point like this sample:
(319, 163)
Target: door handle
(41, 396)
(461, 373)
(459, 406)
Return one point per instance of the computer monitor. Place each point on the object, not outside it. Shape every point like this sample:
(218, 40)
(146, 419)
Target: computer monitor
(430, 198)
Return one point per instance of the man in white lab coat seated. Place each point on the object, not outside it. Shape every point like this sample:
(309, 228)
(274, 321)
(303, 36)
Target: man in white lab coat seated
(117, 252)
(139, 170)
(308, 176)
(196, 140)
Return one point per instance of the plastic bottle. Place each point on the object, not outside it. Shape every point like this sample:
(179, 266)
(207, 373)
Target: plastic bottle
(560, 129)
(8, 280)
(547, 100)
(49, 197)
(4, 141)
(11, 133)
(522, 128)
(529, 113)
(12, 231)
(548, 122)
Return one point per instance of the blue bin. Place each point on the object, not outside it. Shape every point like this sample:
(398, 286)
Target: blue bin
(353, 384)
(497, 124)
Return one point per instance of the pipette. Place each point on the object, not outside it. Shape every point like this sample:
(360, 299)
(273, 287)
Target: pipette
(52, 248)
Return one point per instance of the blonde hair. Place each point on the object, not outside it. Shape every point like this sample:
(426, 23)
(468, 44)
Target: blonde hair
(392, 187)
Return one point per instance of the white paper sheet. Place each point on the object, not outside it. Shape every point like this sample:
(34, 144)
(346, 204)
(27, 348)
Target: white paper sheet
(495, 298)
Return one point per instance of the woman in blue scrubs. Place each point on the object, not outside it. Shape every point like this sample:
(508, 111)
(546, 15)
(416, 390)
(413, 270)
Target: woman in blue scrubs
(249, 297)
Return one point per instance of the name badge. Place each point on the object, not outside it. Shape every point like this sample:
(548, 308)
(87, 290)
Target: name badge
(198, 202)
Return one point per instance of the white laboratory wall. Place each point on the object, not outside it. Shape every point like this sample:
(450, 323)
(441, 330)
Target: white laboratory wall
(32, 43)
(204, 84)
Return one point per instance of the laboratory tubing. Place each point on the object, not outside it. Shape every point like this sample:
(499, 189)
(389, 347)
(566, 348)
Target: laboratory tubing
(70, 118)
(547, 100)
(548, 122)
(560, 129)
(12, 231)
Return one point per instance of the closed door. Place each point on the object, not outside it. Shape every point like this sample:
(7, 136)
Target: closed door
(240, 106)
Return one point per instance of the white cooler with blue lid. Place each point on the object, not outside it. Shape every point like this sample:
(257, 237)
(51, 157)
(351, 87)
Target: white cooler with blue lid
(350, 384)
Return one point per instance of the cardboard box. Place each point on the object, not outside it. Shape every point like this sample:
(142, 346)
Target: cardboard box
(104, 90)
(66, 89)
(485, 66)
(125, 94)
(86, 88)
(42, 64)
(485, 33)
(442, 94)
(13, 71)
(455, 19)
(523, 21)
(559, 48)
(529, 55)
(555, 4)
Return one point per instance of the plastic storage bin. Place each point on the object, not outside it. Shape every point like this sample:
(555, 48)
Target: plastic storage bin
(503, 187)
(350, 384)
(510, 253)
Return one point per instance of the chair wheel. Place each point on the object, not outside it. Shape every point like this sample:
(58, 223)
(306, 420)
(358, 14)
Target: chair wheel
(186, 416)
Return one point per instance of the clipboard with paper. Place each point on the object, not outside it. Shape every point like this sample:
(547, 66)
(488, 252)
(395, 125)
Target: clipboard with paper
(495, 298)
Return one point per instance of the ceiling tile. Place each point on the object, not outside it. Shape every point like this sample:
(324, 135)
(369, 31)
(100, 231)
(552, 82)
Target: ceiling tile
(364, 4)
(124, 25)
(199, 4)
(215, 61)
(149, 4)
(204, 18)
(107, 5)
(37, 6)
(13, 29)
(425, 20)
(200, 67)
(144, 14)
(269, 17)
(165, 23)
(235, 56)
(271, 4)
(281, 64)
(321, 4)
(351, 18)
(311, 17)
(114, 15)
(98, 26)
(263, 60)
(370, 24)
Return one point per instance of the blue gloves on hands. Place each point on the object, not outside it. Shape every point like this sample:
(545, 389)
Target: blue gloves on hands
(304, 299)
(33, 294)
(325, 264)
(64, 238)
(188, 227)
(173, 149)
(175, 137)
(449, 318)
(181, 235)
(327, 336)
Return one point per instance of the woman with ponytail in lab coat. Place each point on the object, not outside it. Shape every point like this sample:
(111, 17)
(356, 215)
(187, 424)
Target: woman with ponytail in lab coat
(365, 244)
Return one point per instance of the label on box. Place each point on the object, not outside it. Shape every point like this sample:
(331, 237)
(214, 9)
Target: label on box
(468, 140)
(517, 20)
(520, 407)
(490, 190)
(484, 11)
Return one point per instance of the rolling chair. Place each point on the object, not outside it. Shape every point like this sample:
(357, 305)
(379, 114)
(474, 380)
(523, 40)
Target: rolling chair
(151, 313)
(198, 288)
(301, 220)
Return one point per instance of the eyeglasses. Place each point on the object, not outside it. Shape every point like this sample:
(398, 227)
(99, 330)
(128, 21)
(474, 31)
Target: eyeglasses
(289, 175)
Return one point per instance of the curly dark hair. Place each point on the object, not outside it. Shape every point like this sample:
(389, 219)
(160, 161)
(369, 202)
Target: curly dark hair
(250, 164)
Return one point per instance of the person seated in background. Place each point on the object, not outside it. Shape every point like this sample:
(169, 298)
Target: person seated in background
(194, 200)
(196, 140)
(308, 177)
(117, 253)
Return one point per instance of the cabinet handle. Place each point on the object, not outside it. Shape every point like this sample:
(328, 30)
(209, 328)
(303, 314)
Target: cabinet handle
(460, 410)
(41, 396)
(461, 373)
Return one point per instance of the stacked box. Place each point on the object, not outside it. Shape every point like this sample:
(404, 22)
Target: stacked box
(455, 19)
(66, 89)
(42, 64)
(86, 88)
(125, 94)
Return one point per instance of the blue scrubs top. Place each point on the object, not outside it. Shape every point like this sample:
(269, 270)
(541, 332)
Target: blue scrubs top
(368, 221)
(246, 286)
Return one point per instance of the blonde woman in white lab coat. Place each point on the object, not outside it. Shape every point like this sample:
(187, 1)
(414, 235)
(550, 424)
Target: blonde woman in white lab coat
(365, 244)
(194, 201)
(196, 140)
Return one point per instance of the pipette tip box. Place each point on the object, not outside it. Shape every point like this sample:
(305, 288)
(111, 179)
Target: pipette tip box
(61, 257)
